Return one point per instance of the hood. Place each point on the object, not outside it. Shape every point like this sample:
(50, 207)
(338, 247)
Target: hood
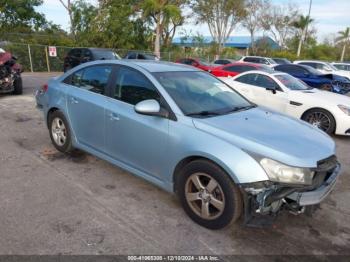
(272, 135)
(320, 97)
(342, 73)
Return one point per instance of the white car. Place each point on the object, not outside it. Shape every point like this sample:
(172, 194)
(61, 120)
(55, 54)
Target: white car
(324, 67)
(341, 66)
(258, 60)
(283, 93)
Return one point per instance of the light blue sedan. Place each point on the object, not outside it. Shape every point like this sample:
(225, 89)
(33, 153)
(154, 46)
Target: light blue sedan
(189, 133)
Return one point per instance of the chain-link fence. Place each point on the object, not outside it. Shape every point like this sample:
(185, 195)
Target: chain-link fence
(36, 58)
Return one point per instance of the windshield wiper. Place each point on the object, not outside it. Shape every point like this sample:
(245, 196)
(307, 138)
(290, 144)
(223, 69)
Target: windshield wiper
(240, 108)
(204, 113)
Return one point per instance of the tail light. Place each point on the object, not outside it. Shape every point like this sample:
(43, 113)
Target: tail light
(44, 88)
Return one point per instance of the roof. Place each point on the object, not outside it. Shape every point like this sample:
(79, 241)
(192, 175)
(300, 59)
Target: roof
(151, 66)
(232, 41)
(161, 66)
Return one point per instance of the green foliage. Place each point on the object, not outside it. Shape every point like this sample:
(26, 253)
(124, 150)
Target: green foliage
(20, 14)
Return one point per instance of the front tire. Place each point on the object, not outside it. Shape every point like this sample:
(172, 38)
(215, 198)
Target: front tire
(208, 195)
(321, 119)
(18, 86)
(60, 132)
(326, 87)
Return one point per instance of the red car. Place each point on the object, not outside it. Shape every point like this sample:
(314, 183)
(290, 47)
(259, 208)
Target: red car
(196, 63)
(237, 68)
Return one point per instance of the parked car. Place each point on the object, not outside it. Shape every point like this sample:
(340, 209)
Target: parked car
(77, 56)
(140, 55)
(281, 61)
(224, 61)
(199, 63)
(324, 68)
(237, 68)
(10, 74)
(314, 78)
(283, 93)
(341, 66)
(258, 60)
(189, 133)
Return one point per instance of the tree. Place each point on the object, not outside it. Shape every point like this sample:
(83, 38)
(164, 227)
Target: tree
(221, 16)
(252, 21)
(117, 25)
(20, 14)
(83, 15)
(161, 13)
(278, 20)
(301, 25)
(69, 7)
(345, 39)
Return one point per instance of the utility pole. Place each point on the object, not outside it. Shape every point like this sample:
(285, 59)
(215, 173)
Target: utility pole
(308, 16)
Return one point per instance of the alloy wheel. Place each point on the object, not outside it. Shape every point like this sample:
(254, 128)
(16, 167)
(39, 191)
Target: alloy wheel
(59, 131)
(319, 120)
(205, 196)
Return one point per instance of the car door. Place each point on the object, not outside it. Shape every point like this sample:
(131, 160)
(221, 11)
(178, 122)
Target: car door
(139, 141)
(276, 100)
(86, 102)
(246, 85)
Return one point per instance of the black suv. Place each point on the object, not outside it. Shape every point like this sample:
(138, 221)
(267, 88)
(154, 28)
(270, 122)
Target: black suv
(139, 55)
(77, 56)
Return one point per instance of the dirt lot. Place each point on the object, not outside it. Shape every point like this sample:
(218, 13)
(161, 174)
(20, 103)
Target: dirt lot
(56, 204)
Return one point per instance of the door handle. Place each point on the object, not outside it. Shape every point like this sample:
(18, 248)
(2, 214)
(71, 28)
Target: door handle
(74, 100)
(113, 117)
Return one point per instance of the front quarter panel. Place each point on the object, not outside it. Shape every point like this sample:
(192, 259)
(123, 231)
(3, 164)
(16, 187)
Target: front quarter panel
(188, 141)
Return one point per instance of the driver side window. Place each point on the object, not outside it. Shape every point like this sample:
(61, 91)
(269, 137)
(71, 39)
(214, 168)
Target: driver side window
(266, 82)
(133, 87)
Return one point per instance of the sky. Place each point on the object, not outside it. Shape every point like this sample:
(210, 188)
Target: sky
(330, 16)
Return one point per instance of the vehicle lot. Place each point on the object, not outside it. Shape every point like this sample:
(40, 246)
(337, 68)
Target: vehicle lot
(52, 203)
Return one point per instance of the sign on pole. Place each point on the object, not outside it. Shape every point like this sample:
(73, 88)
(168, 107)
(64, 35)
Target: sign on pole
(52, 51)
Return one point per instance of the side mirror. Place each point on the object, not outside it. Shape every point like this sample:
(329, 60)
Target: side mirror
(272, 89)
(150, 107)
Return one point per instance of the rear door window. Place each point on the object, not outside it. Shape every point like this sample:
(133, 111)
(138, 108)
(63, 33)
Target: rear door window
(94, 78)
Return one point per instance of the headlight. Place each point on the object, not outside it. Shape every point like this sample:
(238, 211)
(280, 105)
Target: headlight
(286, 174)
(345, 109)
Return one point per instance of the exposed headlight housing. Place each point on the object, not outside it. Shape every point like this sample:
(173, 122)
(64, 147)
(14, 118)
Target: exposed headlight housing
(345, 109)
(281, 173)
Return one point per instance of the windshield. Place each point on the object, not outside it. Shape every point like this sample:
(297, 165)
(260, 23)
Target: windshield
(312, 70)
(332, 67)
(266, 68)
(271, 61)
(292, 83)
(200, 94)
(204, 62)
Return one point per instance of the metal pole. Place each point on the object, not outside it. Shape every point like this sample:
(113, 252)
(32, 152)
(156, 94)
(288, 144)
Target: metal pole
(47, 60)
(30, 59)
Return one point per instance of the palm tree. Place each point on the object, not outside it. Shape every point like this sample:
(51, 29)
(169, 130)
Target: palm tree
(302, 24)
(160, 12)
(345, 39)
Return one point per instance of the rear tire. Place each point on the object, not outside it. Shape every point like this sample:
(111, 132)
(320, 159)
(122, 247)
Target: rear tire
(60, 133)
(208, 195)
(321, 119)
(18, 86)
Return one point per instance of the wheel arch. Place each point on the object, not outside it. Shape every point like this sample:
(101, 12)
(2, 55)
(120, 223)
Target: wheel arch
(185, 161)
(49, 112)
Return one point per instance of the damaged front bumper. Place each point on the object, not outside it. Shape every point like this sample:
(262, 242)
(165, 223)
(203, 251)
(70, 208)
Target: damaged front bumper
(264, 200)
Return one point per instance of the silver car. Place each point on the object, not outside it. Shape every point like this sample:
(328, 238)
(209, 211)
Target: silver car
(191, 134)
